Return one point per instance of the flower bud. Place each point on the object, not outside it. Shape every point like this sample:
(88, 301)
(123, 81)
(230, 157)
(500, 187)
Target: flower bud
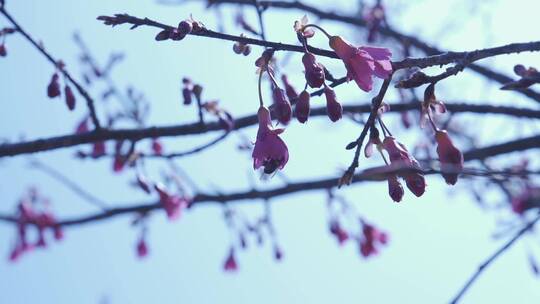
(302, 109)
(247, 50)
(314, 71)
(238, 48)
(186, 93)
(185, 27)
(176, 35)
(163, 35)
(282, 106)
(70, 98)
(450, 157)
(333, 107)
(394, 188)
(416, 183)
(3, 50)
(53, 90)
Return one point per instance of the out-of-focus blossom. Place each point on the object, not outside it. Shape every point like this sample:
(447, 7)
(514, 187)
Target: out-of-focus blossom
(450, 157)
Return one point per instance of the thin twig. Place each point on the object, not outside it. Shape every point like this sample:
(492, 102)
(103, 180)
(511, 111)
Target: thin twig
(80, 89)
(493, 257)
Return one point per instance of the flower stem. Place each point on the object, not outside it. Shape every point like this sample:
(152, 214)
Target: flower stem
(431, 121)
(319, 28)
(260, 91)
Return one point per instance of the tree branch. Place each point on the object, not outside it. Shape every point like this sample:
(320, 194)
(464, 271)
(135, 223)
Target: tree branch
(53, 143)
(372, 174)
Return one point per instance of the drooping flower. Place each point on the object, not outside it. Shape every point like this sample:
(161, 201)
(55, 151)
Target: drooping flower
(270, 150)
(278, 253)
(53, 89)
(70, 98)
(333, 107)
(3, 50)
(173, 204)
(230, 264)
(372, 237)
(142, 248)
(282, 106)
(314, 71)
(302, 108)
(341, 235)
(450, 157)
(363, 62)
(400, 158)
(374, 141)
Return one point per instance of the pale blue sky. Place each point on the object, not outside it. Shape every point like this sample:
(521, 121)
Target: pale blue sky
(436, 241)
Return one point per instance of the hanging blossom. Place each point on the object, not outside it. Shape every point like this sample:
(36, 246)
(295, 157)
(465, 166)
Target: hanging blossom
(372, 238)
(28, 216)
(230, 264)
(270, 150)
(173, 204)
(336, 230)
(400, 158)
(450, 157)
(430, 105)
(362, 63)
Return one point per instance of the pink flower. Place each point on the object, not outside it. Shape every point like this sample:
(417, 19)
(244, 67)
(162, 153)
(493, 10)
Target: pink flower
(333, 107)
(282, 106)
(302, 107)
(363, 62)
(314, 71)
(270, 150)
(230, 264)
(82, 127)
(450, 157)
(70, 98)
(371, 237)
(173, 204)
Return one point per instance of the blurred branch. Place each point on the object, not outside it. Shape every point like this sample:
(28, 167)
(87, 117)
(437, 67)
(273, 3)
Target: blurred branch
(372, 174)
(89, 197)
(56, 63)
(493, 257)
(52, 143)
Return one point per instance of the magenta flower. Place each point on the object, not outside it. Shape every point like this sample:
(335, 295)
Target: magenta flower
(142, 248)
(371, 238)
(333, 107)
(157, 147)
(363, 62)
(3, 50)
(270, 150)
(230, 264)
(314, 71)
(173, 204)
(341, 235)
(282, 106)
(302, 107)
(450, 157)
